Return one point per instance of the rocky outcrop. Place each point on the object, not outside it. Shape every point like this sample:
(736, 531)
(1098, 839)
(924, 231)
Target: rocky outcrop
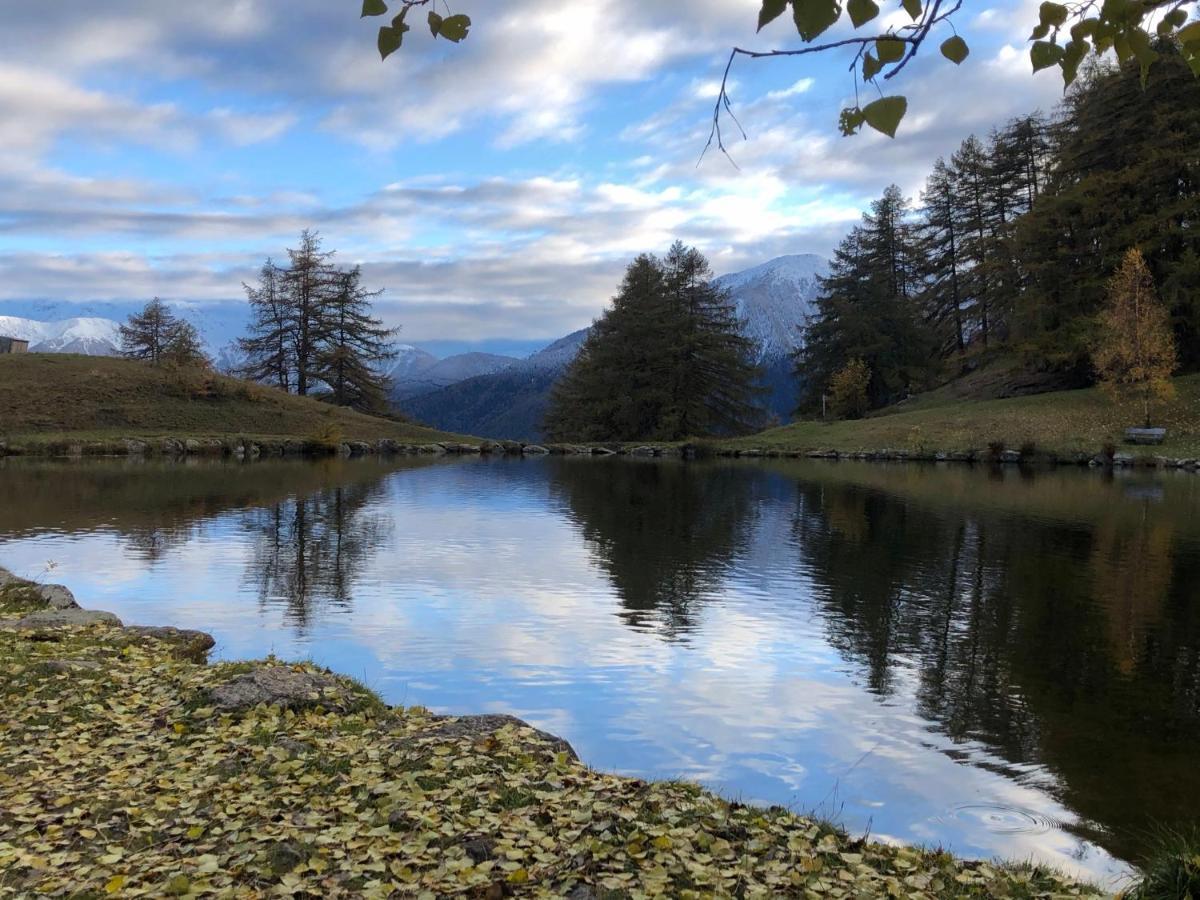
(284, 687)
(49, 619)
(480, 727)
(184, 643)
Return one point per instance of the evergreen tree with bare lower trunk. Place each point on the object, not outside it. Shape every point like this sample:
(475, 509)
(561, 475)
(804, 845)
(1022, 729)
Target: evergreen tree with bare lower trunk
(1135, 351)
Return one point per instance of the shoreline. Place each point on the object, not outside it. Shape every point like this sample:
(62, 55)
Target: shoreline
(250, 449)
(269, 776)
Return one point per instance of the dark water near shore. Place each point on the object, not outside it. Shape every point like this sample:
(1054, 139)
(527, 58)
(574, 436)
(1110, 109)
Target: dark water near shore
(1000, 662)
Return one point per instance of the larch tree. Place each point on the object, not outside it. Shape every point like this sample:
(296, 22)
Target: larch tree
(268, 349)
(355, 343)
(848, 390)
(312, 331)
(1134, 353)
(156, 336)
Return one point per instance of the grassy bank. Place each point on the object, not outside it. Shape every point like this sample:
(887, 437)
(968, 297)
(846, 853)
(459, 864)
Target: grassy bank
(128, 770)
(1063, 423)
(51, 400)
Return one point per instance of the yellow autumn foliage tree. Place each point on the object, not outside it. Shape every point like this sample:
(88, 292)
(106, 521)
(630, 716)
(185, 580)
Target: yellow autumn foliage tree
(1134, 354)
(848, 389)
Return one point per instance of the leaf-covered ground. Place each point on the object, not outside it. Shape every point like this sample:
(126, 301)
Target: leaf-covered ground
(119, 776)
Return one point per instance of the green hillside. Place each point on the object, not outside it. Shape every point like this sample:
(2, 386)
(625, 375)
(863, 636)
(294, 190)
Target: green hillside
(47, 398)
(1062, 422)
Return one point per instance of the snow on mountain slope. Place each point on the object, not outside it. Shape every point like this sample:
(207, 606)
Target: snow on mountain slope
(89, 336)
(410, 361)
(775, 300)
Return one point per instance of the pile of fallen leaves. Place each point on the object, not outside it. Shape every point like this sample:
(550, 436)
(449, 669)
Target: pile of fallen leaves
(122, 774)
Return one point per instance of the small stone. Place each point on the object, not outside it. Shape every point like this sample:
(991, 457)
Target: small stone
(479, 850)
(293, 746)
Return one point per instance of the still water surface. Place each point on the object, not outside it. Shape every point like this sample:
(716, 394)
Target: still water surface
(1003, 663)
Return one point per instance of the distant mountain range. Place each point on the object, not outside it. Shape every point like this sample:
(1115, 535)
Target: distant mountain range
(87, 336)
(502, 397)
(484, 394)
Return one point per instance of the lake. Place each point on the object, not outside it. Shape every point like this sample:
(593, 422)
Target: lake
(999, 661)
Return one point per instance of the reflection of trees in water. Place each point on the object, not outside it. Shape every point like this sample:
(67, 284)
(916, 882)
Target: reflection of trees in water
(1073, 645)
(311, 549)
(663, 533)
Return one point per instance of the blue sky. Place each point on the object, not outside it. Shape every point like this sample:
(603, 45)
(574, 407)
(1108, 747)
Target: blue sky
(496, 189)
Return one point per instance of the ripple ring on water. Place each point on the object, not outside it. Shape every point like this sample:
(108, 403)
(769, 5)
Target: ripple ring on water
(1001, 819)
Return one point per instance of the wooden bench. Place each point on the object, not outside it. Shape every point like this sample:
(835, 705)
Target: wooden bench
(1145, 435)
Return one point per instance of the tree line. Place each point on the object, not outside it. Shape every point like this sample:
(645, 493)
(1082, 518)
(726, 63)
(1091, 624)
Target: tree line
(1013, 245)
(311, 332)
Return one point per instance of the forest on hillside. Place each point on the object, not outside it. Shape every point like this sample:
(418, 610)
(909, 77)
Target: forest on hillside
(1013, 241)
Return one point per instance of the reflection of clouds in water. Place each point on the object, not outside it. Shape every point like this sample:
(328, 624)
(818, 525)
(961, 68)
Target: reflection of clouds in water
(669, 622)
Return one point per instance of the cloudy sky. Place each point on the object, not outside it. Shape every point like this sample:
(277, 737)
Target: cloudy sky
(495, 188)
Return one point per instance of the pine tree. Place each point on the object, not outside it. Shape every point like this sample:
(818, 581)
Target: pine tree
(971, 167)
(713, 371)
(1135, 351)
(665, 361)
(155, 336)
(269, 347)
(355, 344)
(865, 312)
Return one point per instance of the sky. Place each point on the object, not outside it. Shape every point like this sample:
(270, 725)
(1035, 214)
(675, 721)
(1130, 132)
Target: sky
(495, 189)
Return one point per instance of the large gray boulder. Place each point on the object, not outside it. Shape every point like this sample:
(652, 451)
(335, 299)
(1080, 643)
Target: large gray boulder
(284, 687)
(57, 596)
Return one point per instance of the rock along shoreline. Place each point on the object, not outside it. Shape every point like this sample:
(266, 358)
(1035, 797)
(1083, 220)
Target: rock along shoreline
(131, 767)
(245, 449)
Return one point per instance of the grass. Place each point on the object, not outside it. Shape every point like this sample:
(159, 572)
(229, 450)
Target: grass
(1172, 871)
(1061, 422)
(49, 400)
(122, 779)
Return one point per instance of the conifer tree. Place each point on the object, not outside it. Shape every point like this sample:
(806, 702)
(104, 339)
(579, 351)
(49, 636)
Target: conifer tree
(864, 311)
(355, 343)
(1135, 351)
(309, 282)
(1124, 174)
(269, 348)
(156, 336)
(312, 330)
(666, 361)
(942, 268)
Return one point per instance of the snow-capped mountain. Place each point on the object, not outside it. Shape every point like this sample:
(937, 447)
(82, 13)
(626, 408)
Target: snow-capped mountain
(88, 336)
(776, 300)
(409, 362)
(417, 372)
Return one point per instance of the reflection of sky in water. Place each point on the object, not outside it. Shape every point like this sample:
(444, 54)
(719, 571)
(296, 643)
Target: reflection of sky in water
(484, 596)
